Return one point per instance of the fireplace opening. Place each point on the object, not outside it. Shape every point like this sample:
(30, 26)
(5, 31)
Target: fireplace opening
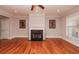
(36, 35)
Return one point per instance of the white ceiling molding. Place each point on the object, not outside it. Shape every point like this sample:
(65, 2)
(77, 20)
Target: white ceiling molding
(23, 10)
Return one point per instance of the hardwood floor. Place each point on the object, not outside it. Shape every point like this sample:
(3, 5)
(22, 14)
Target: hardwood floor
(49, 46)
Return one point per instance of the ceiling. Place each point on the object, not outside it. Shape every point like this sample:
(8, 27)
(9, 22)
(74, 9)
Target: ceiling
(3, 17)
(23, 10)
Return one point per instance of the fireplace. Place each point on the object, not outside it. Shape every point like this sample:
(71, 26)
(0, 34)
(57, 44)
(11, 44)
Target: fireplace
(36, 35)
(37, 26)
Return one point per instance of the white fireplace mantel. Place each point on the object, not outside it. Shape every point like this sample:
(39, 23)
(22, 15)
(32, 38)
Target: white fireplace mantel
(36, 22)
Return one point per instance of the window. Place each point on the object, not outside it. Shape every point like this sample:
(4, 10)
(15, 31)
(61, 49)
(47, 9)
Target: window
(72, 26)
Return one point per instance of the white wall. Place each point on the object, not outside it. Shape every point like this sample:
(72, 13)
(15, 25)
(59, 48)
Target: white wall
(15, 31)
(5, 28)
(37, 22)
(5, 13)
(65, 35)
(63, 27)
(10, 28)
(53, 32)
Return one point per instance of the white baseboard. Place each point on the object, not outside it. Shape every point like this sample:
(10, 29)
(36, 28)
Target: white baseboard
(5, 38)
(72, 41)
(19, 37)
(15, 37)
(28, 37)
(53, 37)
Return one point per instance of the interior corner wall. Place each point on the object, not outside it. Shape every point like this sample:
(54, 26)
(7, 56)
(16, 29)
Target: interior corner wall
(10, 28)
(64, 36)
(5, 28)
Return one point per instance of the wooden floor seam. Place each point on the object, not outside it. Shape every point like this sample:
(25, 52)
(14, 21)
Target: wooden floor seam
(49, 46)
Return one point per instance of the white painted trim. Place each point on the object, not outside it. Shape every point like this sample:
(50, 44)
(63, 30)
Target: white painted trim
(66, 39)
(36, 29)
(5, 38)
(71, 41)
(53, 37)
(5, 13)
(15, 37)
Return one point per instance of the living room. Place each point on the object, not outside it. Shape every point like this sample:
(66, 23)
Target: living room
(39, 29)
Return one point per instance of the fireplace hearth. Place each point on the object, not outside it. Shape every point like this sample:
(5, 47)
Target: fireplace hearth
(36, 35)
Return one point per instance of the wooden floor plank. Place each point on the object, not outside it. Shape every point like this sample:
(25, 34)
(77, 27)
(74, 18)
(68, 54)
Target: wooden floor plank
(49, 46)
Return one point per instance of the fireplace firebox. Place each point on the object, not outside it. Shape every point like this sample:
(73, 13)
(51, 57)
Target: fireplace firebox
(36, 35)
